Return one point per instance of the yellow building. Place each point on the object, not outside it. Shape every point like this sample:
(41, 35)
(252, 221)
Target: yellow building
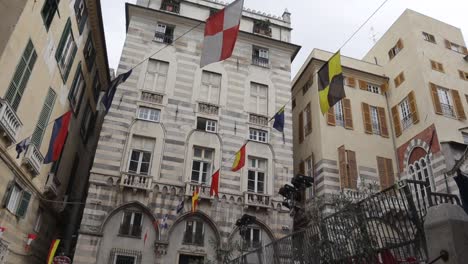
(409, 91)
(53, 60)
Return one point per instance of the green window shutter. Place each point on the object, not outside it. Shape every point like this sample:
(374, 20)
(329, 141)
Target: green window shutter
(23, 206)
(63, 39)
(21, 77)
(43, 119)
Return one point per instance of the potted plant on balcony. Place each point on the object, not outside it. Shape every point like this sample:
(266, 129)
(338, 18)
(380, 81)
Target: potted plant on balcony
(262, 27)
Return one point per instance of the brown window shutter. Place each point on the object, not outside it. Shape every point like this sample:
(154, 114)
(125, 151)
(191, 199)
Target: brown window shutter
(381, 167)
(413, 107)
(435, 99)
(384, 87)
(362, 85)
(448, 45)
(433, 65)
(383, 122)
(301, 127)
(351, 82)
(462, 75)
(397, 81)
(348, 114)
(441, 67)
(302, 167)
(399, 44)
(402, 77)
(331, 116)
(390, 54)
(458, 105)
(352, 169)
(343, 167)
(390, 175)
(396, 120)
(366, 118)
(309, 119)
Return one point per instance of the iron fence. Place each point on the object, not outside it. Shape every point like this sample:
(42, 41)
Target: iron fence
(388, 224)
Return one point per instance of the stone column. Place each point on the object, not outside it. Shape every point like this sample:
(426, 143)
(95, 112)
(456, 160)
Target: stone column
(446, 228)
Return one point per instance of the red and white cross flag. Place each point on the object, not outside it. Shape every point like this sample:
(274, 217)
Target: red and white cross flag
(221, 32)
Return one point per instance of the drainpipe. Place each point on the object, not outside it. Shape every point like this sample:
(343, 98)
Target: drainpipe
(393, 135)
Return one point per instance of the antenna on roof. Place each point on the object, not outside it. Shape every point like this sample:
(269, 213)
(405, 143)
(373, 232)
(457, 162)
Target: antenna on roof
(373, 35)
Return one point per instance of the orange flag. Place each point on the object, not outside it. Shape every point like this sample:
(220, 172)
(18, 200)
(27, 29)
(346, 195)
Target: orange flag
(239, 161)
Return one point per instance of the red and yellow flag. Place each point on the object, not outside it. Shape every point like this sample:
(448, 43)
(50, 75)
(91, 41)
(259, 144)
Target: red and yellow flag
(195, 198)
(52, 251)
(239, 161)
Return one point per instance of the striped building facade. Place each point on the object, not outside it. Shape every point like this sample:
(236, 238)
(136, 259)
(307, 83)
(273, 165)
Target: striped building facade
(172, 125)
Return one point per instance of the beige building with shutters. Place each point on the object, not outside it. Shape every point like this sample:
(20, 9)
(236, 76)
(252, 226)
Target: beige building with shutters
(52, 60)
(409, 91)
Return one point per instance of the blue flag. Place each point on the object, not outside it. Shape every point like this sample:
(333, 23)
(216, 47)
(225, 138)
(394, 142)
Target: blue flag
(22, 146)
(279, 120)
(109, 95)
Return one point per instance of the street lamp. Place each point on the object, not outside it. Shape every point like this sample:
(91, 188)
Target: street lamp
(293, 194)
(242, 224)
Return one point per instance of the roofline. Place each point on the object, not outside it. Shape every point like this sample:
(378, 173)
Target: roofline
(311, 59)
(127, 21)
(101, 28)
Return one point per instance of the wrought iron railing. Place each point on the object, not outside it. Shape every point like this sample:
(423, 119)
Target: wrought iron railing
(9, 121)
(163, 37)
(171, 6)
(259, 61)
(407, 121)
(447, 110)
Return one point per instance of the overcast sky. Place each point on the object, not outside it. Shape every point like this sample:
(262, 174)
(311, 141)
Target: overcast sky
(316, 23)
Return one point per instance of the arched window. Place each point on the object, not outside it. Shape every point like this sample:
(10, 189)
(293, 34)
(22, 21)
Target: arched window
(419, 170)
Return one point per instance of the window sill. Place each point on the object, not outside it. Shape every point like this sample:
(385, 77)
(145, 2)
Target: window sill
(261, 66)
(203, 130)
(151, 121)
(261, 142)
(193, 244)
(129, 236)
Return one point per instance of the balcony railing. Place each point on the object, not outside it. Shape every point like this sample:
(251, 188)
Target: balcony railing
(258, 120)
(136, 181)
(171, 6)
(209, 109)
(262, 30)
(447, 110)
(259, 61)
(9, 121)
(33, 159)
(52, 185)
(203, 190)
(163, 37)
(406, 122)
(152, 97)
(257, 199)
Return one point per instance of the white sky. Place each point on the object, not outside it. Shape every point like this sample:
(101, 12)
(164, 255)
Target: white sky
(316, 23)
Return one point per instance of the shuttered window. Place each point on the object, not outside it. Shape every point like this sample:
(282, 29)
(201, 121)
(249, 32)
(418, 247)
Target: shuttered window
(17, 199)
(48, 12)
(341, 114)
(399, 79)
(89, 53)
(350, 81)
(385, 168)
(374, 119)
(81, 14)
(455, 47)
(44, 117)
(437, 66)
(66, 51)
(307, 115)
(362, 85)
(395, 49)
(348, 114)
(348, 168)
(463, 75)
(405, 114)
(447, 102)
(20, 78)
(76, 91)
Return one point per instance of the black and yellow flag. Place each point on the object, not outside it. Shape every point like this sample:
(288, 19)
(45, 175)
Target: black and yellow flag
(330, 84)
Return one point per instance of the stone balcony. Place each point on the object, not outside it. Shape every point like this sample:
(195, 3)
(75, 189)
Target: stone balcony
(209, 109)
(51, 186)
(10, 123)
(152, 97)
(136, 181)
(33, 159)
(258, 200)
(204, 190)
(258, 119)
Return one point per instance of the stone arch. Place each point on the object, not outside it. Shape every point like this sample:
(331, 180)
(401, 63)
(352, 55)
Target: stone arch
(414, 143)
(199, 214)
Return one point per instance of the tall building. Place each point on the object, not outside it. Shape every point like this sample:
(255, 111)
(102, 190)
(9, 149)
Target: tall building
(403, 115)
(52, 60)
(172, 125)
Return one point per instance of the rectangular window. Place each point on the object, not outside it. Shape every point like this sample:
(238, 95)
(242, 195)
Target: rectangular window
(76, 90)
(123, 259)
(201, 164)
(48, 12)
(20, 78)
(164, 33)
(171, 6)
(156, 75)
(309, 171)
(256, 175)
(463, 75)
(66, 51)
(395, 49)
(375, 120)
(87, 123)
(252, 238)
(17, 200)
(373, 88)
(44, 117)
(437, 66)
(258, 135)
(307, 116)
(293, 104)
(139, 162)
(446, 102)
(89, 53)
(38, 223)
(339, 115)
(429, 37)
(81, 14)
(149, 114)
(207, 125)
(455, 47)
(262, 27)
(131, 224)
(258, 98)
(406, 119)
(210, 87)
(194, 233)
(260, 57)
(96, 85)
